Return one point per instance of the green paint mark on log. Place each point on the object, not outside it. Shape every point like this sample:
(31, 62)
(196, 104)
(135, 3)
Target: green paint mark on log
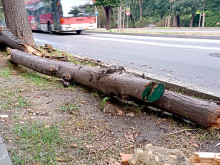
(153, 92)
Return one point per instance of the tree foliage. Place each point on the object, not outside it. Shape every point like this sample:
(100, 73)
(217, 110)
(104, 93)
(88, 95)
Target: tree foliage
(107, 3)
(156, 11)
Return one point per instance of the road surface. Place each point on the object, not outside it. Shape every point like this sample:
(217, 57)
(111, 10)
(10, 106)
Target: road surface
(195, 62)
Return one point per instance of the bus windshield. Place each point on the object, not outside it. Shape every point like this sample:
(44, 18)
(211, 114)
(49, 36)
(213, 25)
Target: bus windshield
(77, 8)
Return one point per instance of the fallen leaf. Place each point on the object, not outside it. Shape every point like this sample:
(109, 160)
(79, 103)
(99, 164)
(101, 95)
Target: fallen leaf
(131, 114)
(60, 160)
(196, 145)
(73, 145)
(120, 112)
(125, 158)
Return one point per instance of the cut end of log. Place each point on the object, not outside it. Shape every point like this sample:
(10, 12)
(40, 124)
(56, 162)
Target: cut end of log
(216, 125)
(218, 121)
(153, 92)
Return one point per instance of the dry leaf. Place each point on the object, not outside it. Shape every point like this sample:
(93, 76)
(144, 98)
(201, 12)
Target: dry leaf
(125, 158)
(60, 160)
(73, 145)
(120, 112)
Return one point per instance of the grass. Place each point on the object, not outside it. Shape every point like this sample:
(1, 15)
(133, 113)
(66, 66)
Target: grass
(5, 72)
(139, 109)
(39, 141)
(21, 102)
(36, 78)
(10, 100)
(73, 109)
(104, 100)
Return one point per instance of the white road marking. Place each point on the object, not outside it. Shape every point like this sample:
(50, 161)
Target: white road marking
(156, 43)
(192, 40)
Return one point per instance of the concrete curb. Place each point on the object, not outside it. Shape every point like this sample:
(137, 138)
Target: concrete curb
(160, 35)
(4, 157)
(177, 86)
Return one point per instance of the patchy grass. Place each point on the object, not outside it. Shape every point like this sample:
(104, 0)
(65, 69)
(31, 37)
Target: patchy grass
(69, 108)
(5, 72)
(39, 141)
(104, 100)
(9, 100)
(21, 102)
(37, 78)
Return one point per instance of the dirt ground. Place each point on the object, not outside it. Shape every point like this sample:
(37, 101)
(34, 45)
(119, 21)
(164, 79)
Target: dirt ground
(50, 124)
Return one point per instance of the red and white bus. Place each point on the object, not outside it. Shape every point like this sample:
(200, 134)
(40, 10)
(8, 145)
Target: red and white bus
(61, 15)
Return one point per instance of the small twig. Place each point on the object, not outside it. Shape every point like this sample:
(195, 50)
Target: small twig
(180, 131)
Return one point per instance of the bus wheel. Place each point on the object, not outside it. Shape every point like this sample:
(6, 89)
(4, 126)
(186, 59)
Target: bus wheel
(78, 31)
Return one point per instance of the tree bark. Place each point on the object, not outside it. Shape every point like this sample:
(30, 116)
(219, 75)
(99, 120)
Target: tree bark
(191, 21)
(176, 21)
(107, 15)
(204, 113)
(7, 39)
(141, 8)
(118, 82)
(114, 80)
(17, 20)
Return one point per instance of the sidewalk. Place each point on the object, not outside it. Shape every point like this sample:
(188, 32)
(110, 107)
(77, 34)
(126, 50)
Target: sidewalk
(194, 33)
(4, 157)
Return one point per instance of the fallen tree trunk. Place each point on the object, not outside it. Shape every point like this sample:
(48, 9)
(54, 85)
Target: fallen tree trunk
(118, 82)
(112, 80)
(7, 39)
(204, 113)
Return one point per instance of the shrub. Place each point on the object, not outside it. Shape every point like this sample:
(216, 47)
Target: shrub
(144, 22)
(212, 19)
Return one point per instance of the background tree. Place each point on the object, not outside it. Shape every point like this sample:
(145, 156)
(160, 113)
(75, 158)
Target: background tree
(17, 20)
(107, 5)
(141, 8)
(185, 7)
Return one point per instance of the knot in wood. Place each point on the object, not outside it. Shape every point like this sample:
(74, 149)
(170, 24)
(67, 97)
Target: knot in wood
(67, 77)
(52, 69)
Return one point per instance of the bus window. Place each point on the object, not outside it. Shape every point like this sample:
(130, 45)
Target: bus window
(30, 9)
(76, 8)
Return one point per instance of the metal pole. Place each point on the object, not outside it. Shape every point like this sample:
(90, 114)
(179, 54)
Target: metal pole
(96, 18)
(127, 21)
(200, 16)
(123, 21)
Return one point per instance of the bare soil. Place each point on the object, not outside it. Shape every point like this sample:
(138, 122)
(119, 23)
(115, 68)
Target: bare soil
(90, 134)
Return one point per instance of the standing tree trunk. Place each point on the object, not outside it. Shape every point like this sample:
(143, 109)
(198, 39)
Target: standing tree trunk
(107, 15)
(141, 8)
(17, 20)
(191, 22)
(176, 21)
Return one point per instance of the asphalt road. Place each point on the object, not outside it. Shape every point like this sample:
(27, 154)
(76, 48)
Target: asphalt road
(192, 61)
